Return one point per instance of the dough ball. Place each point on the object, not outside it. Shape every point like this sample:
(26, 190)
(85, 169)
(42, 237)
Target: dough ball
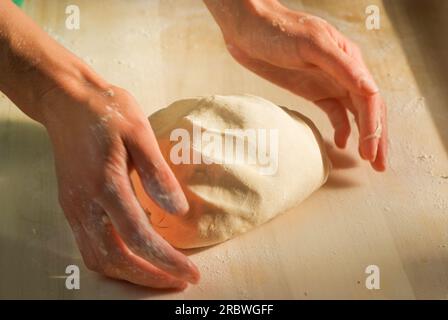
(275, 160)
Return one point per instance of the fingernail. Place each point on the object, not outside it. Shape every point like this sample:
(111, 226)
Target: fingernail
(368, 85)
(193, 277)
(375, 153)
(340, 143)
(172, 202)
(362, 153)
(368, 153)
(340, 138)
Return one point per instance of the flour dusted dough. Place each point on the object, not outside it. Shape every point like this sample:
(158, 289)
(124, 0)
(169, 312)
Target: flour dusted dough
(229, 199)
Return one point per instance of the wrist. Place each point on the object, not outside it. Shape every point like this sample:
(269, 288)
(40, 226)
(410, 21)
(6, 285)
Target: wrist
(271, 10)
(68, 90)
(261, 7)
(34, 87)
(237, 18)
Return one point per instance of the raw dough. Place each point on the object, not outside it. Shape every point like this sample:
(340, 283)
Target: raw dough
(227, 199)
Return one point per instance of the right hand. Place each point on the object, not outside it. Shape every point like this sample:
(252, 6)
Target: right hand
(99, 134)
(307, 56)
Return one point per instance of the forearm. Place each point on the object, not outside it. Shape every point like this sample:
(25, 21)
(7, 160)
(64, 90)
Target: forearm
(32, 64)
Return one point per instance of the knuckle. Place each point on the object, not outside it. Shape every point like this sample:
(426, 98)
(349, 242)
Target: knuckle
(123, 95)
(311, 43)
(65, 199)
(110, 269)
(119, 259)
(104, 184)
(92, 265)
(139, 127)
(90, 262)
(96, 186)
(317, 28)
(118, 91)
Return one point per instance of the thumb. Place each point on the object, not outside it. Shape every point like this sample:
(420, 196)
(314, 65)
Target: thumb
(156, 176)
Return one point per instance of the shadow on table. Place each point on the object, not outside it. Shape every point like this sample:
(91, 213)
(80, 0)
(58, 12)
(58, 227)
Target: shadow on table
(32, 271)
(341, 160)
(422, 27)
(36, 243)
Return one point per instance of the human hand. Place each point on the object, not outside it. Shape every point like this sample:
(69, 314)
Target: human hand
(99, 134)
(307, 56)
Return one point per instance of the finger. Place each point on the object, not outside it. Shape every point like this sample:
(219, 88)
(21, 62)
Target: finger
(380, 162)
(117, 261)
(348, 105)
(157, 178)
(345, 69)
(136, 270)
(369, 123)
(82, 240)
(338, 118)
(132, 224)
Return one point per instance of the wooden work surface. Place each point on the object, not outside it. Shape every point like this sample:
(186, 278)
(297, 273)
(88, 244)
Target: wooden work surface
(165, 50)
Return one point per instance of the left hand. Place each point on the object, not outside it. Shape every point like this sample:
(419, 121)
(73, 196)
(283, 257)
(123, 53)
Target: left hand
(307, 56)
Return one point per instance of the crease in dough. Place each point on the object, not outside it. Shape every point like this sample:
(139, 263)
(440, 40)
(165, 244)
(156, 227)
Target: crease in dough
(229, 199)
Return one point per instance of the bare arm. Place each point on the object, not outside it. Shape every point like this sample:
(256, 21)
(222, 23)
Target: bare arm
(307, 56)
(99, 134)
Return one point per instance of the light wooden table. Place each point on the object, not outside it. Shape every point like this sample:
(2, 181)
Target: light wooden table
(165, 50)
